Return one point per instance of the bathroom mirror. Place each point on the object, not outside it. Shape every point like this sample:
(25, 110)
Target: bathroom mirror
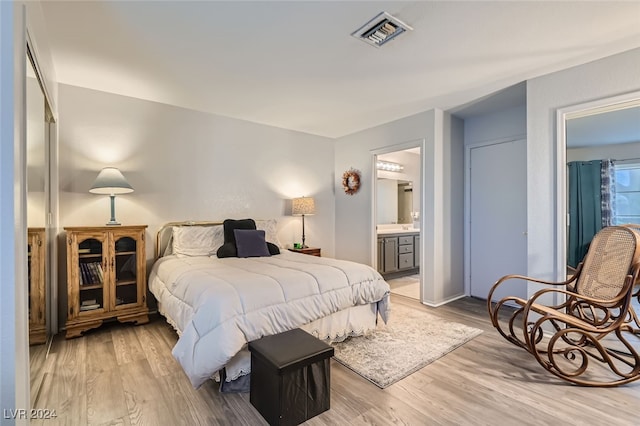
(395, 201)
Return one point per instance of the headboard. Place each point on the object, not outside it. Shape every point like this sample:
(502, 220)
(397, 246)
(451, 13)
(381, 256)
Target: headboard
(163, 237)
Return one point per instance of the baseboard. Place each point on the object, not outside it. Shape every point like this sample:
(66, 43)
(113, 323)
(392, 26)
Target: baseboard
(444, 302)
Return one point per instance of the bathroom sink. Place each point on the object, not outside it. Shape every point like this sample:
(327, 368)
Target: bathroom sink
(397, 231)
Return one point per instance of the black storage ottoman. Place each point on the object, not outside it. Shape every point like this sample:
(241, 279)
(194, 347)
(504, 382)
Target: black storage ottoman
(290, 377)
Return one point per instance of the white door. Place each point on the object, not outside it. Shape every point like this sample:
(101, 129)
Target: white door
(498, 217)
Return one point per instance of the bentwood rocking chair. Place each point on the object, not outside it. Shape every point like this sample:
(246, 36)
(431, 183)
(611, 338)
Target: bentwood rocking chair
(586, 334)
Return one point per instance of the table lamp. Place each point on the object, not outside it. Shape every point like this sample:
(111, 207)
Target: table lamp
(303, 206)
(111, 181)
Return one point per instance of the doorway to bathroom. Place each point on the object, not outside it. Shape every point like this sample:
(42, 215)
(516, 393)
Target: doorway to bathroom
(397, 213)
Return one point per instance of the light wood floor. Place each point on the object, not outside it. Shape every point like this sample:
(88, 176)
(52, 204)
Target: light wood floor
(122, 374)
(408, 286)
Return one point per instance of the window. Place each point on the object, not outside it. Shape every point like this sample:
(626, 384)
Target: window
(627, 193)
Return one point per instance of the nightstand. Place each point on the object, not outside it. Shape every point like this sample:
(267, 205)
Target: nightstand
(313, 251)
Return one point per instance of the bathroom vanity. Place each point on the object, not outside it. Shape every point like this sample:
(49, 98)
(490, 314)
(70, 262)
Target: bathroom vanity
(398, 252)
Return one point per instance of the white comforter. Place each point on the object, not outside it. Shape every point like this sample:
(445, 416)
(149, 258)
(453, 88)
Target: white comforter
(218, 305)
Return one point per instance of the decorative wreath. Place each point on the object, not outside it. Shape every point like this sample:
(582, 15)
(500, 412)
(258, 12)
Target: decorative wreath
(351, 181)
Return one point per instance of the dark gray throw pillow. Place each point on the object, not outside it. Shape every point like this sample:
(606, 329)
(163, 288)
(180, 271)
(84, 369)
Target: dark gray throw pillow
(227, 250)
(250, 243)
(273, 249)
(230, 225)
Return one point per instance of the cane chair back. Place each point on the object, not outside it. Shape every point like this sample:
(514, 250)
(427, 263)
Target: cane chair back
(611, 255)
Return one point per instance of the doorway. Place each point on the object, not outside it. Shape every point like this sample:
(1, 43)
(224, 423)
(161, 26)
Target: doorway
(602, 129)
(397, 218)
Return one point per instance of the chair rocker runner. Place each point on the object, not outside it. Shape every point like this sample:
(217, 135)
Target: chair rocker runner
(582, 329)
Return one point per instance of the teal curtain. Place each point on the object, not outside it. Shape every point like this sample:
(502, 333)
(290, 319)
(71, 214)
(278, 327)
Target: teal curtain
(585, 210)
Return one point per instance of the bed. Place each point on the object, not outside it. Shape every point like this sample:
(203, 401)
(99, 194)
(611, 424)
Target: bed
(218, 305)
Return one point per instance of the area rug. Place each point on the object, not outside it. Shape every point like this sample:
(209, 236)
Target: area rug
(412, 339)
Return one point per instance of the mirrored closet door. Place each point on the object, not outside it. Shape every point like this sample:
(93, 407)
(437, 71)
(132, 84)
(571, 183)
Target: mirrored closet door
(38, 119)
(36, 243)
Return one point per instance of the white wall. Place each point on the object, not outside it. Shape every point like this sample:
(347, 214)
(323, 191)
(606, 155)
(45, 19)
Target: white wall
(453, 214)
(619, 151)
(442, 204)
(354, 228)
(498, 125)
(603, 78)
(188, 165)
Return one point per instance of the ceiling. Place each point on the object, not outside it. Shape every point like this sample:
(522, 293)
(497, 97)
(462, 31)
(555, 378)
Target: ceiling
(294, 65)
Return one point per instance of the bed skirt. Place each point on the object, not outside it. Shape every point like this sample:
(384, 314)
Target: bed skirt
(354, 321)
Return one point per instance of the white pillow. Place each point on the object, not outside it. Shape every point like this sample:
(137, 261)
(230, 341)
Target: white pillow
(270, 228)
(197, 240)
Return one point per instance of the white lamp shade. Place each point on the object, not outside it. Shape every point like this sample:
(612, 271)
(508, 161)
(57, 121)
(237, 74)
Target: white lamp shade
(110, 181)
(303, 206)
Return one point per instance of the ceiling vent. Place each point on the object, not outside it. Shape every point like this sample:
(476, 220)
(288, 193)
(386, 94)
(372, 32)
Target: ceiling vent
(381, 29)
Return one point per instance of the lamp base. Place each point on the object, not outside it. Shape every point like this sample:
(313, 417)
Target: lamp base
(112, 220)
(303, 237)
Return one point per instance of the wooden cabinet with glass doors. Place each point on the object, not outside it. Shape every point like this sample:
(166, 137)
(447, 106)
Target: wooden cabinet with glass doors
(37, 289)
(106, 276)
